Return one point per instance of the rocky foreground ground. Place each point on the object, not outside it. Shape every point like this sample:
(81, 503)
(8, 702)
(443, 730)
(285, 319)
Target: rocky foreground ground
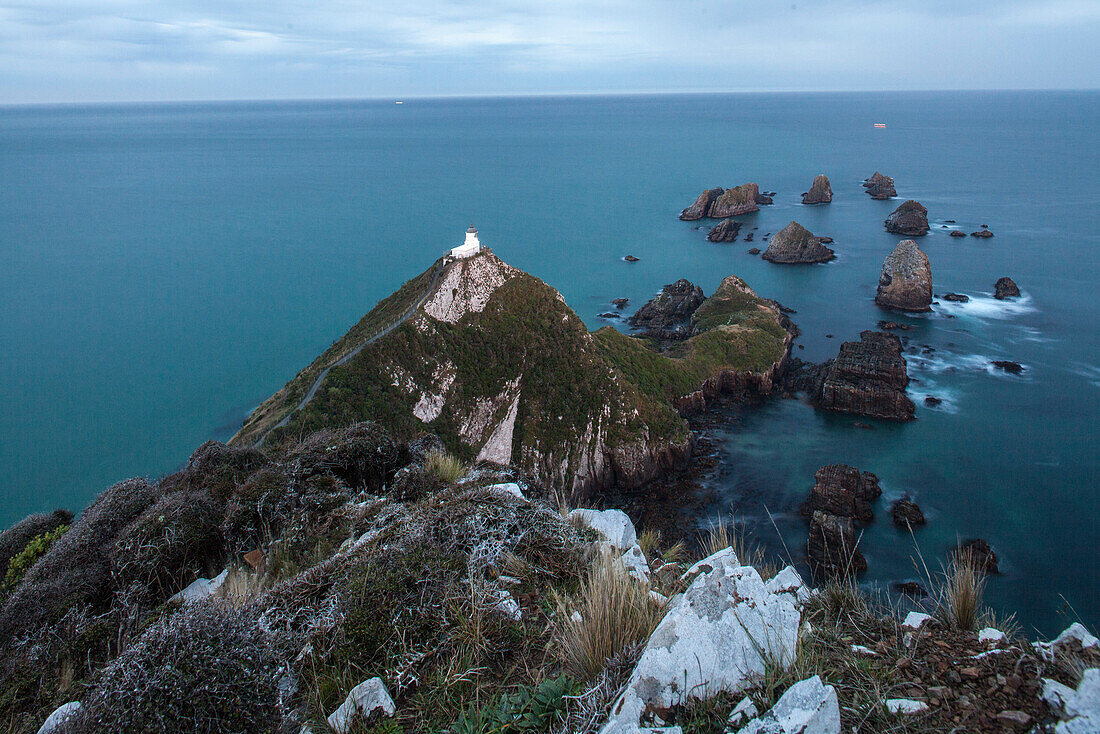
(353, 583)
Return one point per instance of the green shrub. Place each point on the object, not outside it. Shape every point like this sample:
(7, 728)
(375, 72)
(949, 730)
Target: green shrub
(35, 549)
(529, 709)
(15, 539)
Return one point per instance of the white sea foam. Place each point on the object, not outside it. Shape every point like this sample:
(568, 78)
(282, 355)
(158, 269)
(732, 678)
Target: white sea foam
(944, 362)
(986, 307)
(1089, 371)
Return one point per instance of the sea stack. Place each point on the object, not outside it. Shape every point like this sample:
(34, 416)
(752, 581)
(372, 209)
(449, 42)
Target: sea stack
(726, 231)
(880, 187)
(906, 280)
(1005, 288)
(702, 205)
(909, 219)
(820, 192)
(795, 244)
(672, 307)
(868, 378)
(738, 200)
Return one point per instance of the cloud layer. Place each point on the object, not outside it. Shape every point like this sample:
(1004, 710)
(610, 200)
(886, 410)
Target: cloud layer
(78, 50)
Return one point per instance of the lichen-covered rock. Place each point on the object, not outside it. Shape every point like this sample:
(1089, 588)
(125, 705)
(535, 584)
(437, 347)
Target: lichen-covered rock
(868, 378)
(726, 231)
(1005, 288)
(795, 244)
(832, 548)
(701, 207)
(880, 187)
(59, 718)
(365, 699)
(716, 637)
(905, 283)
(909, 219)
(672, 307)
(1081, 709)
(843, 490)
(613, 525)
(808, 707)
(820, 192)
(738, 200)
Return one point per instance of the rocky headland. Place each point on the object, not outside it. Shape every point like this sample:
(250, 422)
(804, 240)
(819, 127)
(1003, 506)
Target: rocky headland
(820, 192)
(880, 187)
(671, 309)
(795, 244)
(721, 203)
(909, 219)
(905, 283)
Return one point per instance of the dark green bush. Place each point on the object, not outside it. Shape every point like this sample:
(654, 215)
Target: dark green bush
(15, 539)
(22, 561)
(218, 469)
(363, 456)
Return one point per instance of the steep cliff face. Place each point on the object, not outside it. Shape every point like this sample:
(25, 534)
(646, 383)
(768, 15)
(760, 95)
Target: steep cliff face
(869, 378)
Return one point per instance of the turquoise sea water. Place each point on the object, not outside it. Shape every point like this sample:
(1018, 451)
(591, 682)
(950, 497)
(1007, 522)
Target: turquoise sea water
(164, 268)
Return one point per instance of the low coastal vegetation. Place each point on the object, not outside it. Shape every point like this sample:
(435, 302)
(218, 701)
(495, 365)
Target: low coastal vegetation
(255, 589)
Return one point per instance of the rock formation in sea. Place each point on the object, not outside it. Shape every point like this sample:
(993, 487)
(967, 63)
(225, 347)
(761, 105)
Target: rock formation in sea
(957, 233)
(832, 548)
(905, 512)
(702, 205)
(977, 553)
(843, 490)
(905, 283)
(880, 187)
(868, 378)
(754, 250)
(795, 244)
(956, 297)
(671, 308)
(820, 192)
(736, 201)
(982, 233)
(910, 219)
(725, 231)
(1006, 365)
(1005, 288)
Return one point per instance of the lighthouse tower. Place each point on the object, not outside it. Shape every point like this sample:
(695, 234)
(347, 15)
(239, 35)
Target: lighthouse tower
(470, 247)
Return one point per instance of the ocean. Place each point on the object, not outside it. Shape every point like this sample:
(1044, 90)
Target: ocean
(166, 267)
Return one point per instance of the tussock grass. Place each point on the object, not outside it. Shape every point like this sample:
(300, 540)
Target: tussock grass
(445, 466)
(610, 611)
(960, 593)
(649, 540)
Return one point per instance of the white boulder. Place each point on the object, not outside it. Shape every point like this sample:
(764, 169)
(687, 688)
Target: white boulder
(59, 716)
(715, 637)
(1056, 695)
(634, 562)
(904, 706)
(507, 605)
(742, 712)
(1076, 632)
(808, 707)
(991, 635)
(1082, 708)
(916, 620)
(366, 698)
(614, 525)
(201, 588)
(509, 488)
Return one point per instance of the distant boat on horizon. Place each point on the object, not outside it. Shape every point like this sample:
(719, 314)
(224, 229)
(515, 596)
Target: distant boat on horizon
(877, 124)
(398, 101)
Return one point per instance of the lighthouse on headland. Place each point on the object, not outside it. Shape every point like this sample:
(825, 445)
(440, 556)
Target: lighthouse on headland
(470, 247)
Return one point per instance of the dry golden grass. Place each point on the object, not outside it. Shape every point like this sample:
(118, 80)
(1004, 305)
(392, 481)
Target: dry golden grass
(960, 593)
(649, 541)
(445, 466)
(610, 611)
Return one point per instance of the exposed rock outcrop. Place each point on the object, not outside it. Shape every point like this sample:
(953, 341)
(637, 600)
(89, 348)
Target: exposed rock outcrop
(868, 378)
(905, 513)
(843, 490)
(905, 283)
(833, 549)
(910, 219)
(880, 187)
(820, 192)
(738, 200)
(957, 233)
(795, 244)
(701, 207)
(726, 231)
(718, 635)
(1005, 288)
(671, 308)
(982, 234)
(956, 297)
(808, 707)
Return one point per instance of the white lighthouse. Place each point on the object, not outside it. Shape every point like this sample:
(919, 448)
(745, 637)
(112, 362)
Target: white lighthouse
(470, 247)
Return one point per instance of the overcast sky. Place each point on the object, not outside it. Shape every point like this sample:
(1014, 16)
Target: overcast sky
(99, 50)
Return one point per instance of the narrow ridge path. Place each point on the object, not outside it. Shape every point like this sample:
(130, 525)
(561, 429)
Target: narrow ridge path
(324, 373)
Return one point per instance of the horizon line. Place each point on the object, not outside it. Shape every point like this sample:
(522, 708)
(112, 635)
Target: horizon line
(532, 95)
